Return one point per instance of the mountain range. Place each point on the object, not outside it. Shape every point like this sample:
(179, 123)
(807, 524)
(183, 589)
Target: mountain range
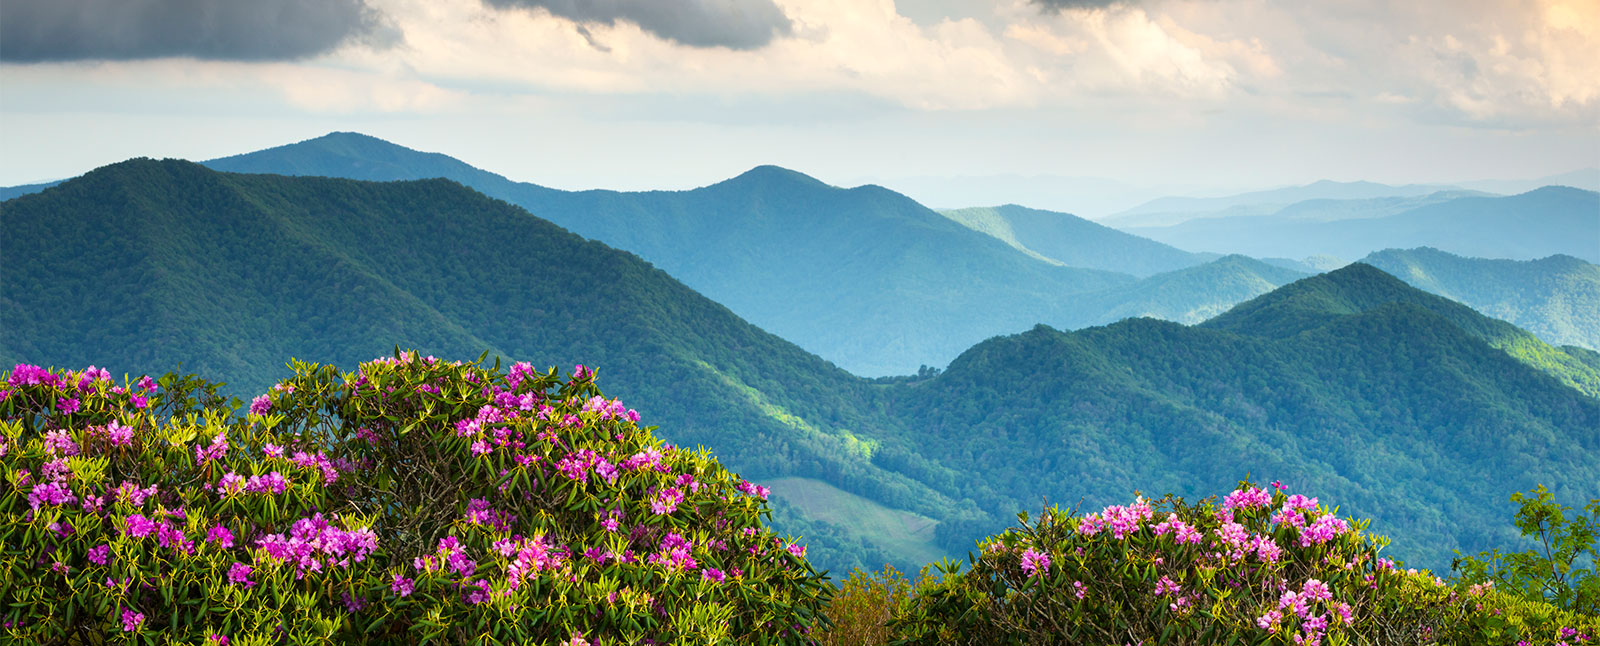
(1072, 241)
(786, 252)
(1542, 222)
(1411, 409)
(802, 259)
(1167, 211)
(146, 266)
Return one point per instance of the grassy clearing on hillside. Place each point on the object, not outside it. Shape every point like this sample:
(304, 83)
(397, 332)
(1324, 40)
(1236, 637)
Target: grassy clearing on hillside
(896, 531)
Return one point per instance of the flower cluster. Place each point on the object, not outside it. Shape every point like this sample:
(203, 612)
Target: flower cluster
(398, 501)
(314, 542)
(1262, 566)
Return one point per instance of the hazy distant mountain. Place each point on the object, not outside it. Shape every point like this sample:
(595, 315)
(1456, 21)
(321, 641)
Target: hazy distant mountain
(1556, 298)
(9, 192)
(1192, 294)
(1548, 221)
(1090, 197)
(1586, 178)
(1074, 241)
(1308, 264)
(1168, 211)
(1328, 210)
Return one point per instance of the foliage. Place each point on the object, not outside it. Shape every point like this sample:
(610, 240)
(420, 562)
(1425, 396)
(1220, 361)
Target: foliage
(862, 608)
(413, 500)
(1260, 568)
(1561, 569)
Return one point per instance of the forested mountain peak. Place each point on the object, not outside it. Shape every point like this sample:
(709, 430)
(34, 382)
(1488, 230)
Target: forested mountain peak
(1308, 302)
(1321, 300)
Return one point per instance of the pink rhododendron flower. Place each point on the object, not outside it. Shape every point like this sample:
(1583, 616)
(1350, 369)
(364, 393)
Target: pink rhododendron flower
(131, 620)
(1035, 563)
(239, 574)
(666, 501)
(220, 536)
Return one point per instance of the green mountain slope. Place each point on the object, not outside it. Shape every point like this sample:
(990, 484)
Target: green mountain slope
(1311, 304)
(1350, 385)
(864, 277)
(144, 265)
(1074, 241)
(1556, 298)
(1547, 221)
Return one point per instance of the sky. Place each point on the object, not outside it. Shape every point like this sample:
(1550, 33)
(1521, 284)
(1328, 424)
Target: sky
(957, 102)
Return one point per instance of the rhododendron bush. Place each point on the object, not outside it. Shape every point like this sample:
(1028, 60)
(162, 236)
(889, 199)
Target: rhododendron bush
(413, 500)
(1262, 567)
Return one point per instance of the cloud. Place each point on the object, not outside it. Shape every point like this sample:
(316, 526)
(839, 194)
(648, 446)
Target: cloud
(734, 24)
(254, 30)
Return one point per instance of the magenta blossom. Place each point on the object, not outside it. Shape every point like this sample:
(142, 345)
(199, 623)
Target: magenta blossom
(402, 586)
(1035, 563)
(131, 620)
(239, 574)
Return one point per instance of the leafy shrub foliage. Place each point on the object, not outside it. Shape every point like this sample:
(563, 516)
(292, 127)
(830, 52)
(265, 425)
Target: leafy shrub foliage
(1562, 569)
(1263, 567)
(411, 501)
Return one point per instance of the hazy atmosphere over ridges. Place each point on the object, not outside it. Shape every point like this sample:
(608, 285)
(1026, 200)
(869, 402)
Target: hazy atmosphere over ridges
(1159, 96)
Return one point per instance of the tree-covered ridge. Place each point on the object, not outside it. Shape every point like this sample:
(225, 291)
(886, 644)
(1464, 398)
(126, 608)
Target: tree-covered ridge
(1314, 302)
(1556, 298)
(154, 264)
(1188, 295)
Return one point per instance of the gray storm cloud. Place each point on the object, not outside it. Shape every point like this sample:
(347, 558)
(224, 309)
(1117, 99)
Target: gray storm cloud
(241, 30)
(735, 24)
(1059, 5)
